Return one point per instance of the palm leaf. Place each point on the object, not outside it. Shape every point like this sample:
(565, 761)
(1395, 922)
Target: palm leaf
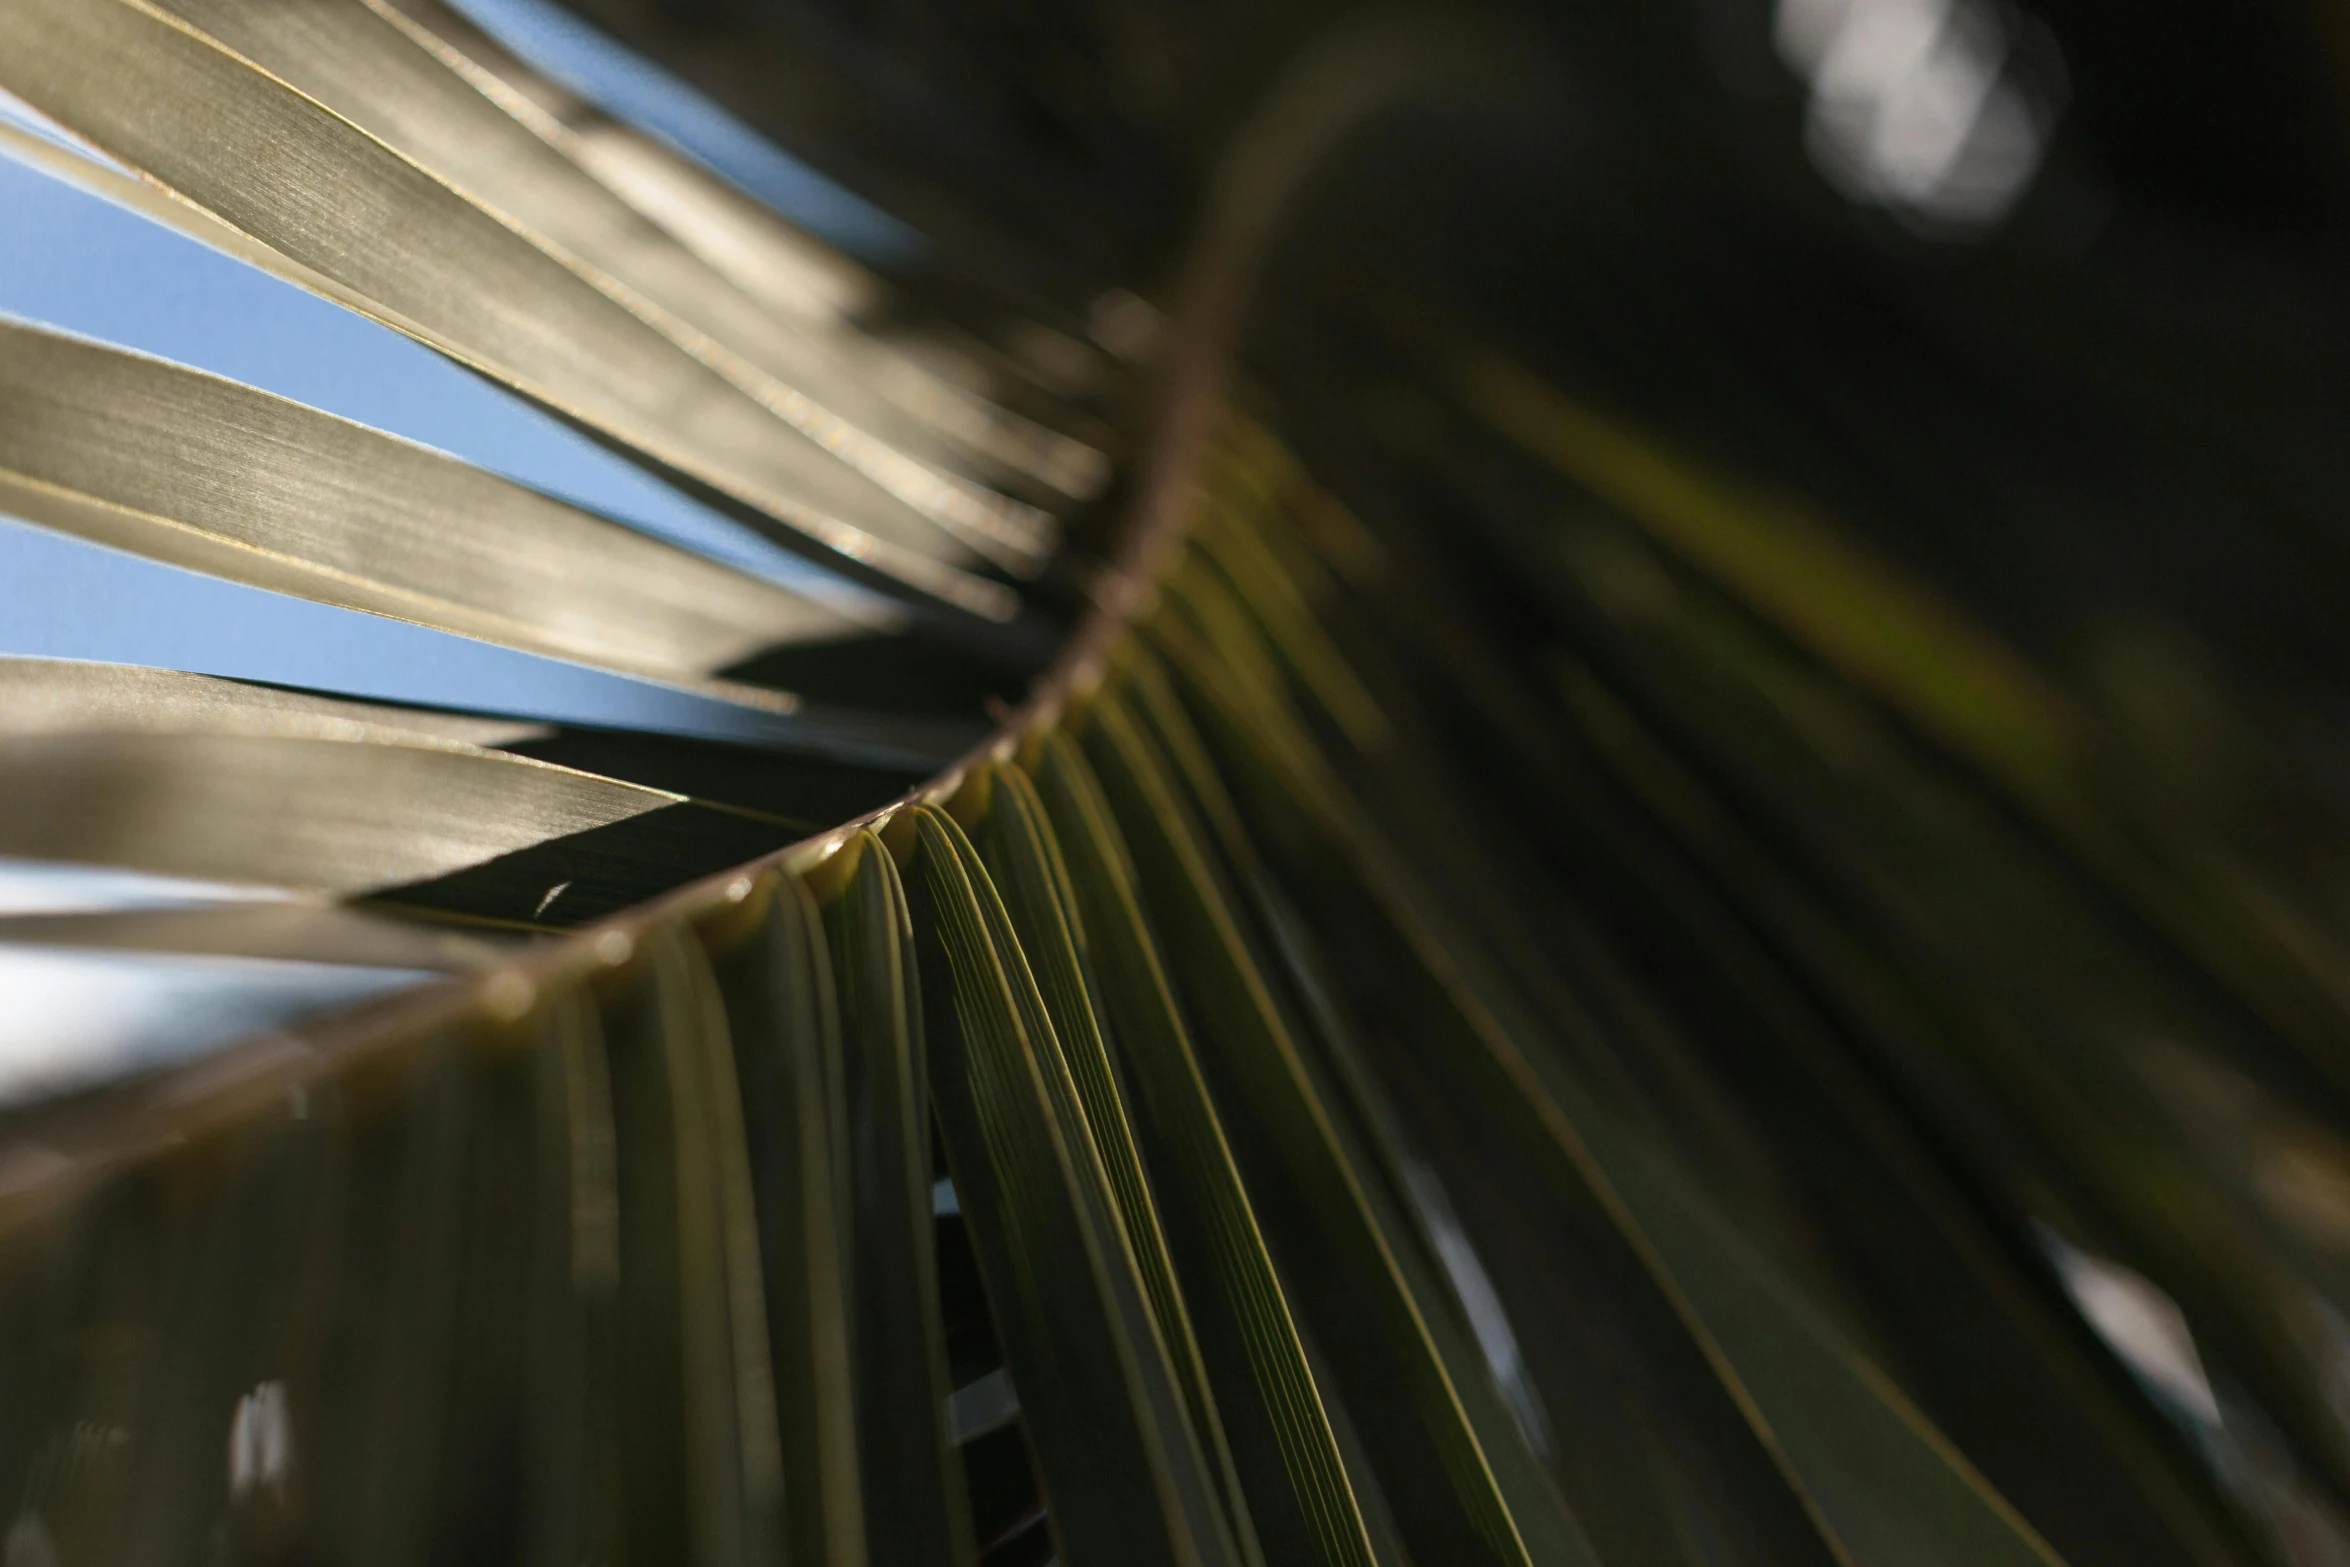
(1294, 1475)
(1079, 1334)
(916, 1508)
(380, 230)
(1563, 1008)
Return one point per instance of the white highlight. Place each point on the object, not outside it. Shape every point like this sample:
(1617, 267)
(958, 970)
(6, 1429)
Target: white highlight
(76, 1016)
(260, 1441)
(55, 887)
(1914, 106)
(2143, 1325)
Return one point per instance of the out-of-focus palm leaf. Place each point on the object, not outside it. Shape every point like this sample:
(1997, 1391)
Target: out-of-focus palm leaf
(1985, 1348)
(1952, 680)
(784, 270)
(364, 66)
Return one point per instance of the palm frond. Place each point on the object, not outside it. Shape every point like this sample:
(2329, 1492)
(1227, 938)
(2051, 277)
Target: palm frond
(1464, 981)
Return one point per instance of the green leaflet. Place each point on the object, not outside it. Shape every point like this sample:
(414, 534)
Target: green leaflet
(1679, 1488)
(915, 1508)
(352, 1322)
(1846, 1420)
(367, 67)
(1025, 865)
(1124, 1475)
(777, 982)
(573, 1489)
(1627, 1489)
(216, 476)
(325, 807)
(203, 1333)
(491, 1268)
(332, 815)
(346, 215)
(1300, 1498)
(102, 1297)
(1401, 1364)
(386, 1390)
(67, 696)
(703, 1459)
(1287, 948)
